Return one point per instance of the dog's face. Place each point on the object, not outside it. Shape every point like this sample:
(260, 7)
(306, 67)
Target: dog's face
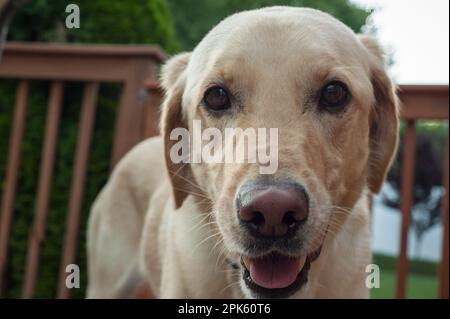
(325, 90)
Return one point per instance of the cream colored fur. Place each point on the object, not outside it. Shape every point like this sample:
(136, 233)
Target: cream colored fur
(172, 228)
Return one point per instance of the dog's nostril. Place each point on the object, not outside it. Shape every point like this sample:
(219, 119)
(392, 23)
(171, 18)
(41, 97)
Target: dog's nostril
(257, 219)
(289, 219)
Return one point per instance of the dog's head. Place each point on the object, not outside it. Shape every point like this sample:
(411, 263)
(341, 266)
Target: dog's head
(333, 113)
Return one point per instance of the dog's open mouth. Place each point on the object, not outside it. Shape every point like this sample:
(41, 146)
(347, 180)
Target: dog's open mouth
(276, 275)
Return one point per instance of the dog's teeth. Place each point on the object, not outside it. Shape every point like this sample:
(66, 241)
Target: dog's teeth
(246, 261)
(302, 262)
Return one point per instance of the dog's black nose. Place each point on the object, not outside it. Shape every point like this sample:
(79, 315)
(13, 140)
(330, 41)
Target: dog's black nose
(272, 209)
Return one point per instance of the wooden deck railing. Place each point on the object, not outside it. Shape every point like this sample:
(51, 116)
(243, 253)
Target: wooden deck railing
(129, 65)
(421, 102)
(136, 68)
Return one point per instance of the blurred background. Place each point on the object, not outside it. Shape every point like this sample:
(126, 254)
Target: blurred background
(414, 34)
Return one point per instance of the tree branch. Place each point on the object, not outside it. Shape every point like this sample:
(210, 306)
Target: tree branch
(8, 9)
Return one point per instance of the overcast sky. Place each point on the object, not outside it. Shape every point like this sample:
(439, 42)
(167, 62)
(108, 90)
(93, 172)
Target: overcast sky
(417, 34)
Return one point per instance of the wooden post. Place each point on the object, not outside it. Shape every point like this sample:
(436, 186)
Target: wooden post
(12, 171)
(129, 124)
(443, 271)
(78, 180)
(407, 187)
(44, 187)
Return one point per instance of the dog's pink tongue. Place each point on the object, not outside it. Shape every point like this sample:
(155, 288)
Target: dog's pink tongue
(274, 271)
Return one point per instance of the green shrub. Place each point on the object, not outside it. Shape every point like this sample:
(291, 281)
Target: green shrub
(101, 21)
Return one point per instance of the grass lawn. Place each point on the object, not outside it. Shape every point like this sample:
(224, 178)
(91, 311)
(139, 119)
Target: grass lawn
(419, 286)
(422, 279)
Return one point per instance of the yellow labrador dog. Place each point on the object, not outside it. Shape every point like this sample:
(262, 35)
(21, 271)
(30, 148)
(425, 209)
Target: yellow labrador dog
(197, 229)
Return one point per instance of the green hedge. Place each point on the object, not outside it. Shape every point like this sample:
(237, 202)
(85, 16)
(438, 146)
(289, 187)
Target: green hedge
(101, 21)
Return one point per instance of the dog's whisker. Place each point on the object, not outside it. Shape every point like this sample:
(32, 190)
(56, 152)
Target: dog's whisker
(199, 223)
(192, 193)
(204, 241)
(221, 252)
(234, 283)
(187, 180)
(203, 225)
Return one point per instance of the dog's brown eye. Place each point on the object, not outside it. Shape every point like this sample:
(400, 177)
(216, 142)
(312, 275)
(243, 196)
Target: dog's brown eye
(216, 99)
(334, 96)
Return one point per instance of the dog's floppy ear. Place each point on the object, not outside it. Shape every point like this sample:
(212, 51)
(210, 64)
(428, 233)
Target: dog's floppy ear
(384, 121)
(173, 80)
